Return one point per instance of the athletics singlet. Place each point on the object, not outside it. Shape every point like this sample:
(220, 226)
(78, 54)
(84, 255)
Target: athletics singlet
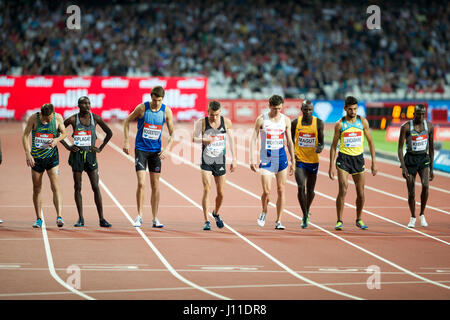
(215, 151)
(41, 136)
(417, 142)
(148, 137)
(352, 137)
(84, 137)
(272, 139)
(305, 142)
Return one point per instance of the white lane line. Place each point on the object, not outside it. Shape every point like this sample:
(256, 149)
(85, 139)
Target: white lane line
(289, 270)
(332, 234)
(152, 246)
(51, 265)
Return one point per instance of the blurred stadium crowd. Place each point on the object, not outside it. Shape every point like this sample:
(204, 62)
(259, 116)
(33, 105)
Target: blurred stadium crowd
(248, 49)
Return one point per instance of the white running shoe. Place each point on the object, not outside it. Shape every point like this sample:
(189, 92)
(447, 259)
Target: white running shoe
(412, 223)
(1, 221)
(138, 221)
(279, 226)
(423, 222)
(261, 219)
(157, 224)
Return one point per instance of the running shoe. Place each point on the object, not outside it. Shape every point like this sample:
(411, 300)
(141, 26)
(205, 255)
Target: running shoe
(279, 226)
(412, 223)
(423, 222)
(339, 225)
(207, 226)
(105, 224)
(305, 221)
(80, 223)
(59, 222)
(157, 224)
(1, 221)
(219, 221)
(262, 219)
(360, 224)
(38, 223)
(138, 221)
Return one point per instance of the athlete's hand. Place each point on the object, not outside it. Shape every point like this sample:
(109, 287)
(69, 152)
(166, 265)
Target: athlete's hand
(52, 143)
(30, 161)
(207, 140)
(126, 147)
(95, 149)
(291, 169)
(374, 169)
(74, 148)
(253, 167)
(431, 174)
(319, 148)
(331, 172)
(406, 175)
(163, 154)
(233, 166)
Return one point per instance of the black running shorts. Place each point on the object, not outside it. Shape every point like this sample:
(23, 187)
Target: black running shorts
(416, 162)
(351, 164)
(40, 165)
(83, 161)
(143, 158)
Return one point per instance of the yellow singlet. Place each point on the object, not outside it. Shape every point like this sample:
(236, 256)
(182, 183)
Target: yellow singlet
(306, 141)
(352, 137)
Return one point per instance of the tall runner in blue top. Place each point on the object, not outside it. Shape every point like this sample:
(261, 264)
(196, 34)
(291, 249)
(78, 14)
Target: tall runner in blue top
(274, 127)
(151, 117)
(83, 155)
(211, 132)
(418, 134)
(47, 129)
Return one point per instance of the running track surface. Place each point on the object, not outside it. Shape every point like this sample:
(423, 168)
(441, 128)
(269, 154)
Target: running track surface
(240, 261)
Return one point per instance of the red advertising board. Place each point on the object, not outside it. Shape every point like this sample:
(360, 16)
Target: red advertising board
(111, 97)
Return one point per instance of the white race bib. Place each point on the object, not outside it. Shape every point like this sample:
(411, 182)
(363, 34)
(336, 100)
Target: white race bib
(42, 140)
(151, 131)
(274, 140)
(306, 140)
(82, 138)
(419, 143)
(353, 139)
(216, 147)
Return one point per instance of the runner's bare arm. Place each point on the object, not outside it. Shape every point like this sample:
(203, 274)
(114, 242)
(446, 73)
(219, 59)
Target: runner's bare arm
(258, 124)
(320, 143)
(368, 135)
(198, 130)
(337, 133)
(106, 129)
(66, 142)
(138, 112)
(25, 139)
(229, 127)
(431, 148)
(169, 121)
(401, 142)
(290, 145)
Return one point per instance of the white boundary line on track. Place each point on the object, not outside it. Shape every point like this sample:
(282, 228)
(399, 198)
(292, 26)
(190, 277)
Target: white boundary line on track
(330, 233)
(51, 266)
(326, 231)
(155, 250)
(243, 164)
(276, 261)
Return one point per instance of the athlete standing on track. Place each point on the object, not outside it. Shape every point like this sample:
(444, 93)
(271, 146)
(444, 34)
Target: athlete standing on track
(307, 134)
(47, 128)
(273, 159)
(211, 131)
(151, 117)
(418, 134)
(350, 131)
(83, 155)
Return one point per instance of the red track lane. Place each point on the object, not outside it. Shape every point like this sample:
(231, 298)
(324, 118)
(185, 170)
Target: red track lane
(118, 264)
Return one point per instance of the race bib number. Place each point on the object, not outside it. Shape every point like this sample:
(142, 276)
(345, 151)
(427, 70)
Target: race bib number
(42, 140)
(353, 139)
(82, 138)
(274, 141)
(151, 131)
(419, 143)
(216, 147)
(306, 140)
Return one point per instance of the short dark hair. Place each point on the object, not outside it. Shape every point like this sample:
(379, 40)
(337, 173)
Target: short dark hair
(81, 98)
(275, 100)
(307, 103)
(47, 109)
(350, 100)
(214, 105)
(158, 91)
(420, 106)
